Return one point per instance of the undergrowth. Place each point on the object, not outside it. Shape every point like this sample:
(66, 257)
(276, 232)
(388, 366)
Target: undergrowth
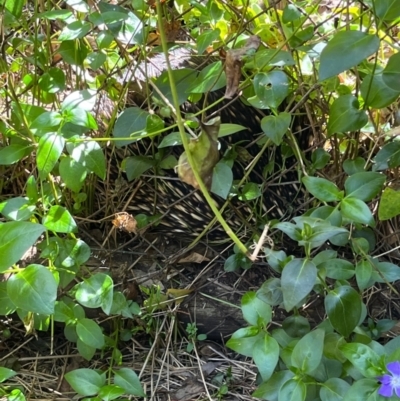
(337, 65)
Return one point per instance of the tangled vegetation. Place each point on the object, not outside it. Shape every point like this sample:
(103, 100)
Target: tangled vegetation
(334, 62)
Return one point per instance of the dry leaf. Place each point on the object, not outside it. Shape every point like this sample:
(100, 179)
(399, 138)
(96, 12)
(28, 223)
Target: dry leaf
(233, 64)
(190, 389)
(205, 154)
(178, 294)
(194, 258)
(125, 222)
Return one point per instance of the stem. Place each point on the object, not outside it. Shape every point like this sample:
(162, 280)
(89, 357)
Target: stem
(185, 141)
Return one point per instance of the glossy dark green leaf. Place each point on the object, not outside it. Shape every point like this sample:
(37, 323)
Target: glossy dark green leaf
(110, 392)
(322, 189)
(364, 359)
(320, 158)
(296, 326)
(14, 153)
(59, 220)
(85, 382)
(363, 274)
(15, 7)
(290, 230)
(364, 185)
(90, 155)
(353, 166)
(338, 269)
(266, 355)
(6, 373)
(255, 311)
(72, 173)
(96, 291)
(222, 180)
(385, 272)
(307, 353)
(389, 205)
(293, 390)
(391, 73)
(270, 88)
(6, 305)
(75, 30)
(72, 53)
(376, 93)
(386, 10)
(229, 129)
(357, 211)
(135, 166)
(250, 191)
(206, 39)
(388, 156)
(50, 148)
(85, 350)
(90, 333)
(129, 381)
(211, 78)
(53, 80)
(275, 127)
(96, 60)
(334, 389)
(17, 209)
(244, 339)
(345, 115)
(345, 50)
(298, 279)
(33, 289)
(269, 390)
(271, 292)
(363, 390)
(343, 307)
(16, 238)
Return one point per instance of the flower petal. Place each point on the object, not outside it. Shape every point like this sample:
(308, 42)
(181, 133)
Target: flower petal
(397, 391)
(385, 390)
(386, 380)
(394, 368)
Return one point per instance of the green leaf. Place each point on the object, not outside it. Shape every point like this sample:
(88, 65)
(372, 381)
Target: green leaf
(90, 333)
(345, 50)
(389, 205)
(210, 78)
(15, 239)
(363, 358)
(136, 165)
(386, 10)
(50, 148)
(271, 292)
(322, 189)
(14, 153)
(96, 60)
(345, 115)
(34, 289)
(96, 291)
(353, 166)
(81, 118)
(343, 307)
(46, 123)
(391, 73)
(269, 390)
(6, 306)
(128, 380)
(357, 211)
(53, 80)
(334, 389)
(206, 39)
(338, 269)
(72, 53)
(59, 220)
(266, 355)
(363, 390)
(307, 353)
(75, 30)
(85, 350)
(85, 382)
(90, 155)
(6, 374)
(271, 89)
(244, 340)
(110, 392)
(298, 279)
(296, 326)
(255, 311)
(222, 180)
(293, 390)
(363, 274)
(275, 127)
(376, 93)
(72, 173)
(365, 185)
(250, 191)
(229, 129)
(83, 100)
(17, 209)
(15, 7)
(386, 272)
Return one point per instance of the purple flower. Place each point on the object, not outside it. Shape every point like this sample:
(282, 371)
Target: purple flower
(390, 382)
